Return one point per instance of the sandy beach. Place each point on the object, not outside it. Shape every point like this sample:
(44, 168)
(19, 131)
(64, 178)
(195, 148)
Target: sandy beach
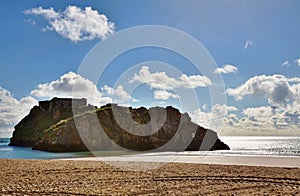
(70, 177)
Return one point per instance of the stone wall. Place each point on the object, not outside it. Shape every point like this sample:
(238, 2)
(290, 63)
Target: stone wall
(61, 103)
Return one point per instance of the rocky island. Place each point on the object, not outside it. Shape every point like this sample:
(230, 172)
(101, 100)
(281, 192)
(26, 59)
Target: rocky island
(68, 125)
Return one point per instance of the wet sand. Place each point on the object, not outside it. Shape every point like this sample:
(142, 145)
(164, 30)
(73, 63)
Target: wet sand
(249, 160)
(71, 177)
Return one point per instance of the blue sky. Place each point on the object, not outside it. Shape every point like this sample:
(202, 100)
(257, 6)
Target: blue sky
(258, 39)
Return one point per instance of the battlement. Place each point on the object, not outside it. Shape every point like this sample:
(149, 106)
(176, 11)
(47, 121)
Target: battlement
(61, 103)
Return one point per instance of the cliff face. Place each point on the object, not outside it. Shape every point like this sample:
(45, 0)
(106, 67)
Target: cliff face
(40, 118)
(31, 128)
(63, 134)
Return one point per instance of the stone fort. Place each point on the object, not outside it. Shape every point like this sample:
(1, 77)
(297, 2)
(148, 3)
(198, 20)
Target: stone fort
(61, 103)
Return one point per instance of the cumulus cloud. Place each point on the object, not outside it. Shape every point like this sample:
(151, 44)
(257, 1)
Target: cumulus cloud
(222, 108)
(164, 95)
(219, 111)
(119, 94)
(259, 118)
(293, 80)
(292, 114)
(226, 69)
(283, 113)
(269, 118)
(263, 111)
(63, 87)
(202, 118)
(216, 114)
(214, 118)
(276, 89)
(74, 23)
(12, 110)
(47, 13)
(280, 116)
(193, 81)
(248, 43)
(160, 80)
(263, 120)
(295, 89)
(73, 85)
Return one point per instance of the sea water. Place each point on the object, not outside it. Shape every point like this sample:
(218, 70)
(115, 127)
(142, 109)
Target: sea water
(16, 152)
(261, 146)
(278, 146)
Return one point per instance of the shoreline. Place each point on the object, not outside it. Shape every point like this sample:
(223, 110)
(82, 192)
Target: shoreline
(69, 177)
(218, 159)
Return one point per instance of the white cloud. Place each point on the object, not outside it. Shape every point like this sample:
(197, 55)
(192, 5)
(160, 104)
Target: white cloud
(193, 81)
(276, 89)
(119, 94)
(227, 108)
(295, 89)
(286, 64)
(283, 93)
(213, 119)
(297, 61)
(47, 13)
(259, 118)
(282, 116)
(226, 69)
(219, 111)
(293, 80)
(164, 95)
(160, 80)
(292, 114)
(202, 118)
(63, 87)
(268, 119)
(263, 120)
(74, 23)
(248, 43)
(263, 111)
(12, 110)
(84, 88)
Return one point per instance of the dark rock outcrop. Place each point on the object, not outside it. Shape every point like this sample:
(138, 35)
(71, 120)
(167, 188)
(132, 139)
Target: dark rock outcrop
(111, 127)
(32, 127)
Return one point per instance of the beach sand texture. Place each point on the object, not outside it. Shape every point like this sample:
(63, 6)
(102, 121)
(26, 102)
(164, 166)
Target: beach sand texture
(61, 177)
